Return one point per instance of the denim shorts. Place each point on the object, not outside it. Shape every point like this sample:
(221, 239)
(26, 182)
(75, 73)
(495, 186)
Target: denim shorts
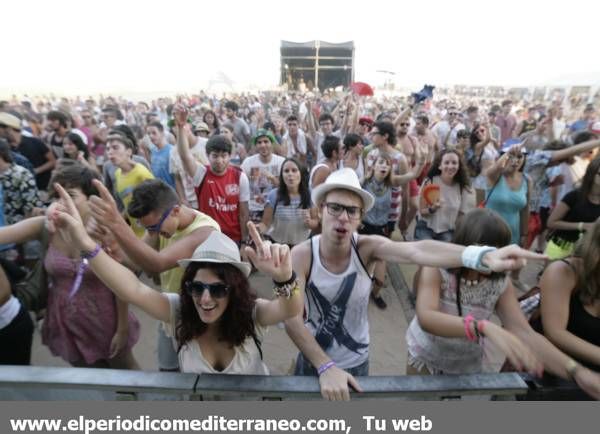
(423, 232)
(305, 368)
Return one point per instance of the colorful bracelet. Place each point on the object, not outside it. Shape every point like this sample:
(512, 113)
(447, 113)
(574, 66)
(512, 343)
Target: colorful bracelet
(325, 366)
(468, 320)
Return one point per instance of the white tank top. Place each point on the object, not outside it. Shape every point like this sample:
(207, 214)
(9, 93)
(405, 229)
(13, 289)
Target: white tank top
(336, 308)
(312, 174)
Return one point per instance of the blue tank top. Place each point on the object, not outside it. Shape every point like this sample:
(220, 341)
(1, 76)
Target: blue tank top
(509, 203)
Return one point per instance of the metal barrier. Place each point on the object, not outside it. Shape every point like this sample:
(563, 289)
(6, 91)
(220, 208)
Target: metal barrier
(134, 385)
(50, 383)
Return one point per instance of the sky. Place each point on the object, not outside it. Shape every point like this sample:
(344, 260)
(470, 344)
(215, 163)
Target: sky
(127, 46)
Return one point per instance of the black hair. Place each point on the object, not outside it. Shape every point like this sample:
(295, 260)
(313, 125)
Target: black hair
(218, 143)
(423, 119)
(351, 140)
(330, 145)
(75, 175)
(59, 116)
(151, 195)
(157, 125)
(232, 105)
(130, 134)
(386, 128)
(292, 118)
(282, 191)
(461, 176)
(78, 142)
(583, 136)
(215, 123)
(237, 322)
(326, 117)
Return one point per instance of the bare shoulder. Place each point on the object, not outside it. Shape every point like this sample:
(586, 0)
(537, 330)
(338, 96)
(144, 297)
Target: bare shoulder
(368, 244)
(560, 273)
(301, 254)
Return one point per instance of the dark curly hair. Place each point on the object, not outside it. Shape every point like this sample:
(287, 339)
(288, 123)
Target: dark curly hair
(462, 177)
(236, 324)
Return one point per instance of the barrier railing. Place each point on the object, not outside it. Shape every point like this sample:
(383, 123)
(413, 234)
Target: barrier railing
(50, 383)
(120, 384)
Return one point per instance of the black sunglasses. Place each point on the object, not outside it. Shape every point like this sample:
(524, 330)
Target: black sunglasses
(196, 288)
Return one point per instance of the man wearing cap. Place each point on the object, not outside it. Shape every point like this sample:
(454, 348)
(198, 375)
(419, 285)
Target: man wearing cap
(222, 190)
(262, 169)
(10, 130)
(184, 184)
(332, 267)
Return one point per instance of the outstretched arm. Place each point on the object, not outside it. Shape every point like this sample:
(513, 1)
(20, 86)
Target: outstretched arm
(115, 276)
(442, 255)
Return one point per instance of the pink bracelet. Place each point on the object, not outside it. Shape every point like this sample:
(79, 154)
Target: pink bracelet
(468, 320)
(325, 366)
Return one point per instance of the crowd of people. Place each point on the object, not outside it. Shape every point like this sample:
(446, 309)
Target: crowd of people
(320, 192)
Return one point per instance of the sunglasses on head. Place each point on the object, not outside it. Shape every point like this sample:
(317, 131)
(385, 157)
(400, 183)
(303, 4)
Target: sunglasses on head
(196, 288)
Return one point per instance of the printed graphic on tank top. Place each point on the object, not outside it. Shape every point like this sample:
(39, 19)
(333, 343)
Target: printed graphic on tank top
(336, 307)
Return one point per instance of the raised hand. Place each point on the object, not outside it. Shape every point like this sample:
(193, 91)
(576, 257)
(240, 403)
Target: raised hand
(104, 208)
(180, 114)
(272, 259)
(66, 221)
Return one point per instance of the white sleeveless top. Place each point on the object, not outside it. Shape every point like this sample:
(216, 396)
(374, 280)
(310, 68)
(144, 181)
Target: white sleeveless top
(312, 174)
(360, 169)
(246, 361)
(336, 309)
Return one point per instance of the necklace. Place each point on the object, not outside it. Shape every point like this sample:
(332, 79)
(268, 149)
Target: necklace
(468, 282)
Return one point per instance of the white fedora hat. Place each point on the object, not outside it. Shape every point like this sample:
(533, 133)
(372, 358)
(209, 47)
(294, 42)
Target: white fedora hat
(218, 248)
(343, 179)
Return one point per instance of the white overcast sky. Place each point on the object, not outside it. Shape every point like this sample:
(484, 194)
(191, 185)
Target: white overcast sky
(79, 47)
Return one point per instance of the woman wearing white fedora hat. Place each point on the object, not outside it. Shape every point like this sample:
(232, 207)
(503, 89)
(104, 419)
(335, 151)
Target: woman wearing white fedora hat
(333, 269)
(217, 320)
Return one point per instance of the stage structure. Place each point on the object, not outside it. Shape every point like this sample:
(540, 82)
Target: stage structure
(316, 64)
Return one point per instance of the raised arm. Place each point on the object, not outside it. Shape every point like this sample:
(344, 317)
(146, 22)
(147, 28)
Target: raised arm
(104, 209)
(571, 151)
(183, 148)
(115, 276)
(276, 261)
(25, 230)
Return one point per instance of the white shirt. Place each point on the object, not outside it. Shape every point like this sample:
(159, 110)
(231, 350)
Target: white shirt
(255, 169)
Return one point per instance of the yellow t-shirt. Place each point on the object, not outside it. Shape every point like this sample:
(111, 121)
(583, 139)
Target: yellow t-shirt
(170, 280)
(124, 185)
